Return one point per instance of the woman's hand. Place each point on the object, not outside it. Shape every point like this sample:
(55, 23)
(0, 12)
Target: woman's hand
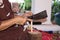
(15, 7)
(29, 20)
(21, 20)
(27, 14)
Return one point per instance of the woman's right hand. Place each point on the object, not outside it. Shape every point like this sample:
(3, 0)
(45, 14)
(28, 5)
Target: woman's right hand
(20, 20)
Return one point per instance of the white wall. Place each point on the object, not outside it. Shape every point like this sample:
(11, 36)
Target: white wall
(40, 5)
(18, 1)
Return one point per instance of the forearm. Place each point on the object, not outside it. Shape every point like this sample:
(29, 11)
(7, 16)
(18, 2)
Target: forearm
(16, 20)
(6, 24)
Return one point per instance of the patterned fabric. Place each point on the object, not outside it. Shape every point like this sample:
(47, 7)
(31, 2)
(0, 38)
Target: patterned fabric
(46, 36)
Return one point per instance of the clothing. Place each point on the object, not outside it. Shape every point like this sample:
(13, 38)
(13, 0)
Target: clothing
(12, 33)
(57, 18)
(4, 11)
(57, 15)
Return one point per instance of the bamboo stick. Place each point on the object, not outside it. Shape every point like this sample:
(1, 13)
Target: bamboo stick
(31, 26)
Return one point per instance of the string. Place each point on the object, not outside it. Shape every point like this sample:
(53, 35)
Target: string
(31, 26)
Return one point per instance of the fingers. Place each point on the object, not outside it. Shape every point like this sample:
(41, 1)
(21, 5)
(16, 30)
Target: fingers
(29, 20)
(21, 20)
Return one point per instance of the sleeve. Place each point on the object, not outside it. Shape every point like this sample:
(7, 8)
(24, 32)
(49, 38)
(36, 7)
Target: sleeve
(0, 20)
(7, 5)
(8, 8)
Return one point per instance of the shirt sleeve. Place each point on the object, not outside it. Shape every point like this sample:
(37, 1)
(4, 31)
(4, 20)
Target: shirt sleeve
(0, 20)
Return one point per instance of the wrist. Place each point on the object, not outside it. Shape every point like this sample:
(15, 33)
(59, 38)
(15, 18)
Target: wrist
(14, 20)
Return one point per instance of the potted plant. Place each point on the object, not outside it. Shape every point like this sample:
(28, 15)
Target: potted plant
(55, 9)
(28, 5)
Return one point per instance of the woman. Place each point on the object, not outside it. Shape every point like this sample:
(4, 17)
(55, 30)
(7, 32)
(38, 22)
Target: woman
(8, 31)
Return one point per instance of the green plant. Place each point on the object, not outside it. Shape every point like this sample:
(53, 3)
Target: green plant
(27, 4)
(55, 9)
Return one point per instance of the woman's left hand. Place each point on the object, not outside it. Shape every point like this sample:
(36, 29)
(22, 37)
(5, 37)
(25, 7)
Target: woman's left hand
(15, 7)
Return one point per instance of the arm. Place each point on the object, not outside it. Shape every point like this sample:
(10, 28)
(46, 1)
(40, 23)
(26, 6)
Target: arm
(6, 24)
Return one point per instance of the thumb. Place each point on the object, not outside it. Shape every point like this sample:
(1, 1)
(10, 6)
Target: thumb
(29, 20)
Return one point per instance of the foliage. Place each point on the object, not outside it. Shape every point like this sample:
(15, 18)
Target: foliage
(27, 4)
(55, 9)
